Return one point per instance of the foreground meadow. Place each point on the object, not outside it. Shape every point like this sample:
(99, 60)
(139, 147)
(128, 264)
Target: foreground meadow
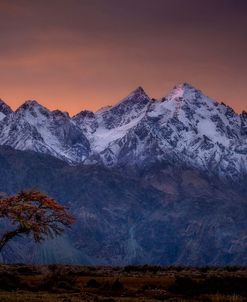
(22, 283)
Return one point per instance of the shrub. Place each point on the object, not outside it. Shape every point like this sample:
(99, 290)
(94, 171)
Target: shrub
(117, 285)
(10, 281)
(92, 283)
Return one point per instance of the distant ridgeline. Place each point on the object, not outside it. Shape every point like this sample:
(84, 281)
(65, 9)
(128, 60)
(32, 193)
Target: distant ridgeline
(149, 181)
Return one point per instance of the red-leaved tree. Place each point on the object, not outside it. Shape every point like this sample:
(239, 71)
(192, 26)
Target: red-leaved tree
(33, 213)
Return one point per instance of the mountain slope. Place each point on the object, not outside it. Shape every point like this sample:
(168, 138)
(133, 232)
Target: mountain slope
(166, 215)
(111, 124)
(33, 127)
(4, 108)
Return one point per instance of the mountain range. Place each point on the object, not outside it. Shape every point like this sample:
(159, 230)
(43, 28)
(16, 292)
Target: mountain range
(149, 181)
(186, 127)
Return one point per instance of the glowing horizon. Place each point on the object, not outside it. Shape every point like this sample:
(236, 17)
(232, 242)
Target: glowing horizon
(76, 55)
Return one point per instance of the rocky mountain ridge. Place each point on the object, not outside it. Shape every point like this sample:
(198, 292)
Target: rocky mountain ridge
(185, 127)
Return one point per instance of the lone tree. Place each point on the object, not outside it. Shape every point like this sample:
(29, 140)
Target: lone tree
(33, 213)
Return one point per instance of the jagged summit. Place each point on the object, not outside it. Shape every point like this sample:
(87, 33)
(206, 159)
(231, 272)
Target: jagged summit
(4, 108)
(180, 91)
(59, 113)
(185, 85)
(31, 105)
(183, 91)
(85, 114)
(137, 93)
(136, 96)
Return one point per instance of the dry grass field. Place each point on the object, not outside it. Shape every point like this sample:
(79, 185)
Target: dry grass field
(22, 283)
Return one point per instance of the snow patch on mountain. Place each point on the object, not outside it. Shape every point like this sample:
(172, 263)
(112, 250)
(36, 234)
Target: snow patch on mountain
(2, 116)
(208, 128)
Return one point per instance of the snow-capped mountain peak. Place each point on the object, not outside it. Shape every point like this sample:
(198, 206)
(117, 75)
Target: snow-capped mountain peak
(185, 127)
(187, 93)
(34, 127)
(182, 90)
(29, 104)
(125, 110)
(33, 110)
(137, 93)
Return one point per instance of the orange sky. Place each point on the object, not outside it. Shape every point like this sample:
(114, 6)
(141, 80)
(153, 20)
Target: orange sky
(85, 54)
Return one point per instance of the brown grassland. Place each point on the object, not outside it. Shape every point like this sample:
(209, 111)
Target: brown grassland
(55, 283)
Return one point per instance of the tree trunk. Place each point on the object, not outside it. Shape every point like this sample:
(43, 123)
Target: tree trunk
(8, 236)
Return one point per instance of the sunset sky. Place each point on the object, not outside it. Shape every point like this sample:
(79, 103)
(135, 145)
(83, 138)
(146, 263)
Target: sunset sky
(85, 54)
